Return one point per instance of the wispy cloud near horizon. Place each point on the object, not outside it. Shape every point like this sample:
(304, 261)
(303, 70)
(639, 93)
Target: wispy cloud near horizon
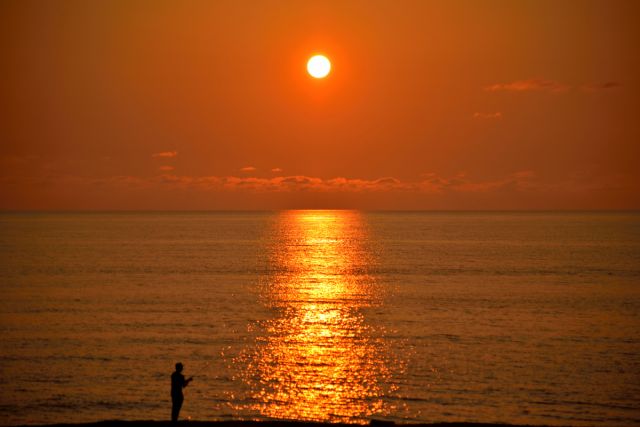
(165, 154)
(590, 87)
(429, 183)
(529, 85)
(430, 190)
(552, 86)
(488, 116)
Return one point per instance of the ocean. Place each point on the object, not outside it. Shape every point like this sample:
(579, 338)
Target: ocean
(511, 317)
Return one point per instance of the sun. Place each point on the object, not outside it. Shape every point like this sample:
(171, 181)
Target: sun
(319, 66)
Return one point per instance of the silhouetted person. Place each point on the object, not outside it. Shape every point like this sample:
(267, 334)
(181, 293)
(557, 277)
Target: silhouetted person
(177, 384)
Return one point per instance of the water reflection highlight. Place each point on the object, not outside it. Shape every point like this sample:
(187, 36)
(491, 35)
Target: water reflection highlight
(318, 359)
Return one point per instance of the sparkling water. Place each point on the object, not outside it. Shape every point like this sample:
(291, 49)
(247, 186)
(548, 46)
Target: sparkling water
(322, 315)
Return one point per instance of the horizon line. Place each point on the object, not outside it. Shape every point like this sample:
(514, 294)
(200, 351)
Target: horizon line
(551, 210)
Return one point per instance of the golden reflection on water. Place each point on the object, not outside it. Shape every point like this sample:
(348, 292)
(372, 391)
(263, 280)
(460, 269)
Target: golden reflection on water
(318, 358)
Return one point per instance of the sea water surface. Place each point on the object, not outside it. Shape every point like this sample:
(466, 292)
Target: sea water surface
(322, 315)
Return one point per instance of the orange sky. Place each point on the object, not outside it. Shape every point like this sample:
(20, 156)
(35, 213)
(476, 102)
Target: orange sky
(430, 105)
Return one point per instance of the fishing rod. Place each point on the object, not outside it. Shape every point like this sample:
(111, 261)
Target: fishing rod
(201, 370)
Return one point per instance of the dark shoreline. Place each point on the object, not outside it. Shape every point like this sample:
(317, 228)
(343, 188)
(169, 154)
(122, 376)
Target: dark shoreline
(373, 423)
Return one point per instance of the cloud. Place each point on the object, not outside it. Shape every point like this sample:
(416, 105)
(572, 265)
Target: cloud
(298, 180)
(276, 170)
(529, 85)
(165, 154)
(248, 169)
(590, 87)
(460, 183)
(120, 181)
(488, 116)
(387, 181)
(522, 188)
(166, 168)
(189, 182)
(431, 183)
(282, 183)
(543, 85)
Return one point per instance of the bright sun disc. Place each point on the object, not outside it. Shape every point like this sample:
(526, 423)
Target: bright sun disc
(318, 66)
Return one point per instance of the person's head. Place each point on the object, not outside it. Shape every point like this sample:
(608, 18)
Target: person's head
(179, 367)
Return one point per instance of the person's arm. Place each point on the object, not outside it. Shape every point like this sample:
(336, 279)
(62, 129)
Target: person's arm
(187, 381)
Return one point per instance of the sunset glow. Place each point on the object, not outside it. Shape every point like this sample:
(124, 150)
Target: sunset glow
(383, 105)
(409, 213)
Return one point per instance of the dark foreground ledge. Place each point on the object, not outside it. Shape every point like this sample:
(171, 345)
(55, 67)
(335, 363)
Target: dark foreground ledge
(373, 423)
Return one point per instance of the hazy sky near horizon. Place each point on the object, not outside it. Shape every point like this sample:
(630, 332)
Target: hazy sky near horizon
(430, 105)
